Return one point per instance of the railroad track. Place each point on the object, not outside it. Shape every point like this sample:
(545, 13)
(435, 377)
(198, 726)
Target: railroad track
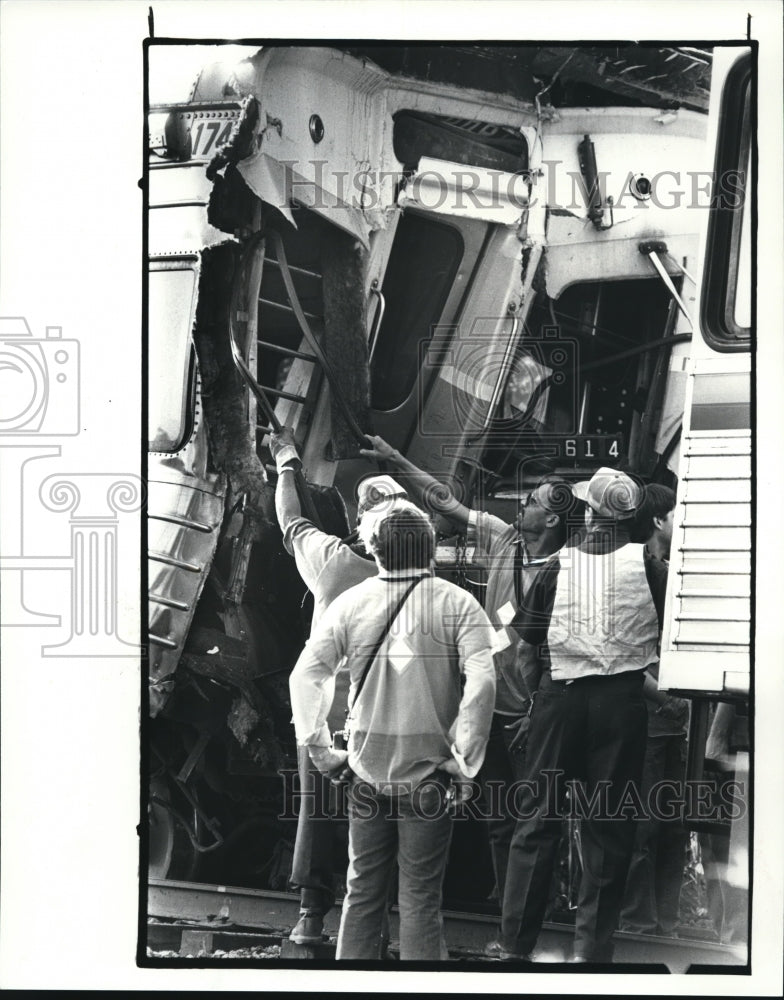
(188, 921)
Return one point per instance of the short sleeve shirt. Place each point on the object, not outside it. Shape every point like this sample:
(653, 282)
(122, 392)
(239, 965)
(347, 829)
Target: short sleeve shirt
(328, 568)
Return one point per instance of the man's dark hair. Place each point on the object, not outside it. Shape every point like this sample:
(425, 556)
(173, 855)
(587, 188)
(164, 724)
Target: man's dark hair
(661, 498)
(402, 539)
(658, 502)
(560, 500)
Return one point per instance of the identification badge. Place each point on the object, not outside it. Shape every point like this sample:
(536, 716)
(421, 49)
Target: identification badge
(506, 613)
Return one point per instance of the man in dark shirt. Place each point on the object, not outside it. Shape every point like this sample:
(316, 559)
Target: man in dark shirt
(653, 886)
(593, 614)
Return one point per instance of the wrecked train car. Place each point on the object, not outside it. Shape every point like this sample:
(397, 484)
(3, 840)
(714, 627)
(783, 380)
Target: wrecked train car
(487, 256)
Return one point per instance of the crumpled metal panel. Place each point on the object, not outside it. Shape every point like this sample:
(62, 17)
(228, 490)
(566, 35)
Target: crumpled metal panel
(654, 76)
(297, 84)
(184, 514)
(449, 189)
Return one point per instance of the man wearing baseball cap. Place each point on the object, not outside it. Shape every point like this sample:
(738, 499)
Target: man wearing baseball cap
(329, 566)
(611, 496)
(591, 614)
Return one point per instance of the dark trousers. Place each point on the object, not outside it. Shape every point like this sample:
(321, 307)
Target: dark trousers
(319, 836)
(653, 887)
(593, 730)
(502, 767)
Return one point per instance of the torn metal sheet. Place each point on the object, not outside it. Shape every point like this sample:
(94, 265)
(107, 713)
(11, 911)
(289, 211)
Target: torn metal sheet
(181, 229)
(278, 184)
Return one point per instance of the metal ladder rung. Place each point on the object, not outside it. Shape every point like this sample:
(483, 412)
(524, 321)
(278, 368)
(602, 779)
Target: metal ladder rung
(159, 640)
(287, 351)
(280, 305)
(171, 561)
(169, 602)
(184, 522)
(280, 394)
(272, 261)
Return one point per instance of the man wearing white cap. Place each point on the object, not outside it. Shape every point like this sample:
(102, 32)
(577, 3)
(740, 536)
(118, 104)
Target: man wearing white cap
(328, 566)
(592, 614)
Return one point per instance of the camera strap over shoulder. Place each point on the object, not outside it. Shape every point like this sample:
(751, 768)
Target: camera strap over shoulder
(517, 570)
(374, 652)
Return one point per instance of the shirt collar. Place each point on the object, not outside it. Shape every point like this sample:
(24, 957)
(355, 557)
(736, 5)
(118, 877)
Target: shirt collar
(403, 574)
(529, 560)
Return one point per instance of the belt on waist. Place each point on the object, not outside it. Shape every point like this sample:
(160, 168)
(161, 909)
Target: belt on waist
(588, 678)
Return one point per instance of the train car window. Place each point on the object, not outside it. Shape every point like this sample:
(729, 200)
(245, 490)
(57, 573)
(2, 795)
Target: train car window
(424, 260)
(726, 292)
(742, 302)
(458, 140)
(584, 379)
(170, 357)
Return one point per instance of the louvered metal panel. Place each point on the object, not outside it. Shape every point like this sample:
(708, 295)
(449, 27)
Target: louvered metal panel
(714, 584)
(714, 606)
(732, 491)
(712, 635)
(716, 539)
(707, 626)
(713, 514)
(714, 530)
(716, 564)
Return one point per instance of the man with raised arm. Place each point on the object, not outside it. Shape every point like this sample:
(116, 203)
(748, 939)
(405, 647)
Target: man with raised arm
(328, 567)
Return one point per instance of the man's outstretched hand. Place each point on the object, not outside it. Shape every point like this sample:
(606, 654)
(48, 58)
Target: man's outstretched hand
(379, 449)
(283, 439)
